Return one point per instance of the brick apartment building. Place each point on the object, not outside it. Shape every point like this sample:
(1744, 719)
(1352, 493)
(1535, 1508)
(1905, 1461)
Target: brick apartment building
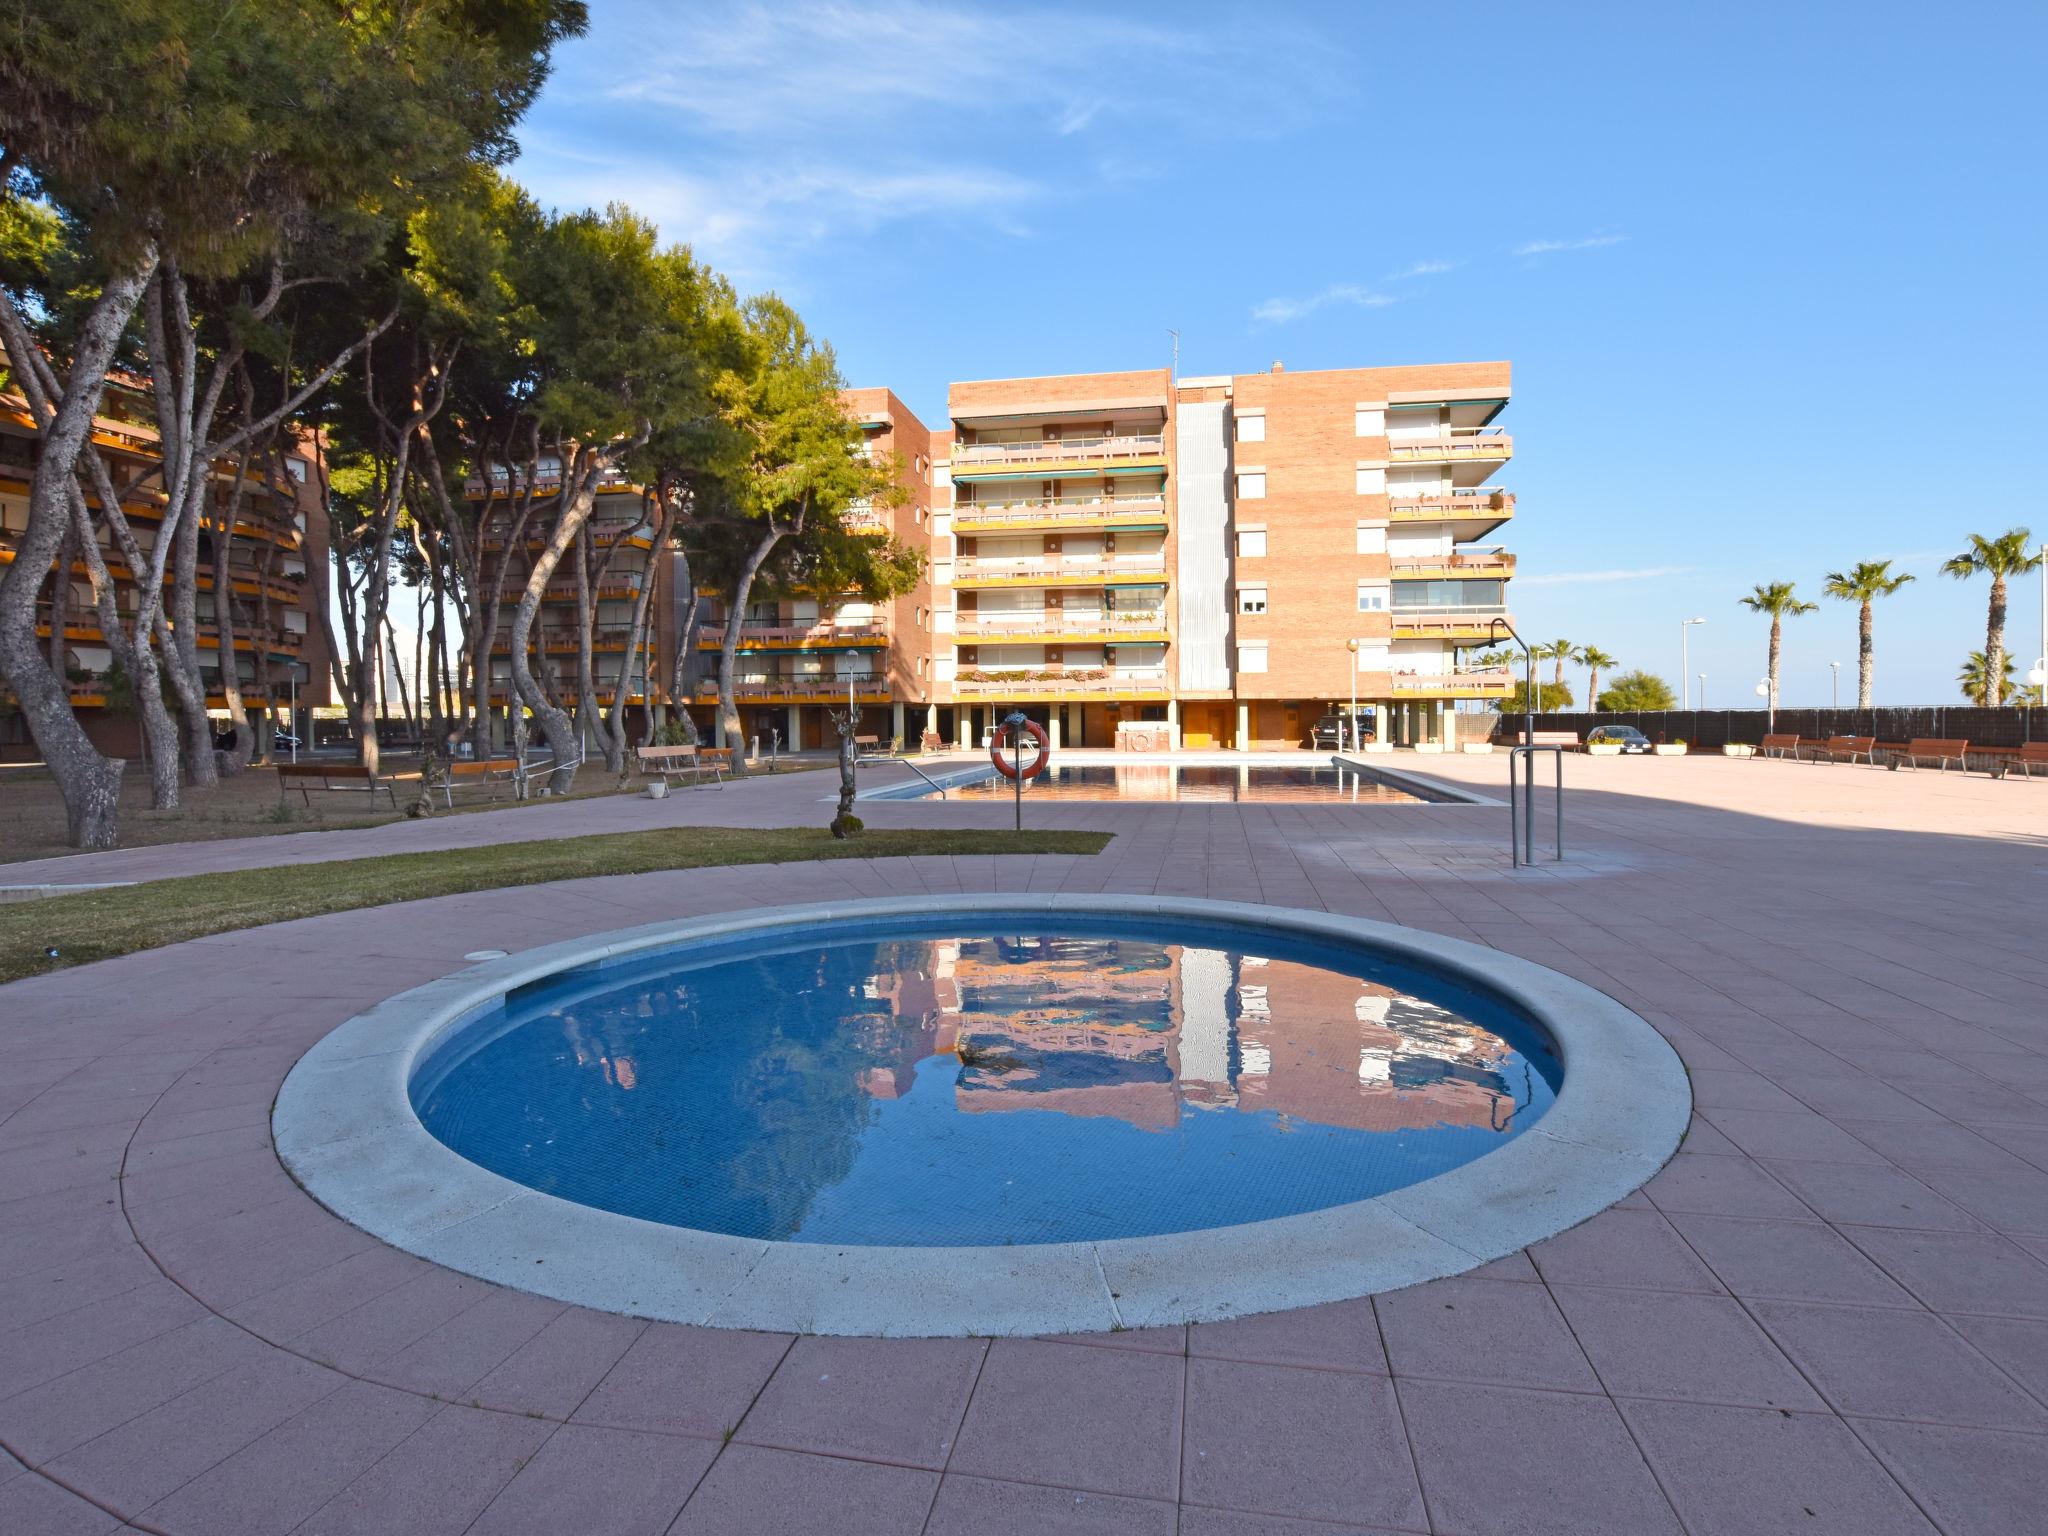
(1101, 549)
(1212, 553)
(276, 577)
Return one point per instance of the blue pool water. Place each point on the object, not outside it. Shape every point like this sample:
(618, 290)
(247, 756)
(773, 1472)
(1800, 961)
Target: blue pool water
(938, 1084)
(1319, 783)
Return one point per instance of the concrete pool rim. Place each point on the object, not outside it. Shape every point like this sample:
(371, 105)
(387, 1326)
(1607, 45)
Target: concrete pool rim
(344, 1127)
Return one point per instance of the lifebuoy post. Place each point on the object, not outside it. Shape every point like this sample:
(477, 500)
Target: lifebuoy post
(1014, 728)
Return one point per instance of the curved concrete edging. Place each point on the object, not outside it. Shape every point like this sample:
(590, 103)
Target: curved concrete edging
(344, 1127)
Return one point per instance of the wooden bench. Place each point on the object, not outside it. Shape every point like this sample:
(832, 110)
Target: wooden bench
(1940, 750)
(488, 774)
(1779, 746)
(685, 764)
(2025, 758)
(867, 746)
(1836, 749)
(340, 778)
(1569, 740)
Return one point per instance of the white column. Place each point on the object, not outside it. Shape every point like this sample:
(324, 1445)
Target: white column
(717, 726)
(1244, 726)
(963, 719)
(896, 722)
(931, 718)
(1173, 723)
(793, 730)
(1053, 721)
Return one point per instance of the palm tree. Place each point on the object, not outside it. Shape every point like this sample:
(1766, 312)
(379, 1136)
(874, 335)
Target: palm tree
(1559, 651)
(1997, 558)
(1776, 599)
(1975, 676)
(1864, 583)
(1595, 661)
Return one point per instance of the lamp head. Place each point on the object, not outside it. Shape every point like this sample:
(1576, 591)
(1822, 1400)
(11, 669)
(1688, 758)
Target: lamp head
(1763, 690)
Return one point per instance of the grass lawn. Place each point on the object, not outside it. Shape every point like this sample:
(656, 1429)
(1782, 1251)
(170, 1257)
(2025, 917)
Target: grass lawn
(95, 925)
(32, 812)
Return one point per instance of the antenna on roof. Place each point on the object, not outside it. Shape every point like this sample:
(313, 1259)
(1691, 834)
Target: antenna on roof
(1176, 354)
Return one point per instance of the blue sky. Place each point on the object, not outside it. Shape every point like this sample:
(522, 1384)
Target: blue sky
(1770, 275)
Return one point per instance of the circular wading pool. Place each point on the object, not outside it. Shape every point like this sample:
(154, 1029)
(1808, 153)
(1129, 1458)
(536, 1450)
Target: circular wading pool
(983, 1114)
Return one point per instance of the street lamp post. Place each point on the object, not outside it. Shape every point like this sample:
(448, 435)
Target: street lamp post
(1703, 692)
(1685, 659)
(1351, 722)
(2038, 673)
(1836, 698)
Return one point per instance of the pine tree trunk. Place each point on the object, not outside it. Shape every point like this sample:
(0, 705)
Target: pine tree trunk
(729, 645)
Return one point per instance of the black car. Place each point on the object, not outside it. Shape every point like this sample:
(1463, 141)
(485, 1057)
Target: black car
(1627, 737)
(1334, 734)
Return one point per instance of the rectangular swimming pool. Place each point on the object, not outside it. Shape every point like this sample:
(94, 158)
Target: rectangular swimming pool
(1328, 784)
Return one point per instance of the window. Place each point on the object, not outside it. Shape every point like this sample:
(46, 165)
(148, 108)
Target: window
(296, 468)
(1251, 484)
(1251, 656)
(1372, 481)
(1369, 421)
(1372, 539)
(1251, 599)
(1251, 428)
(1372, 597)
(1251, 543)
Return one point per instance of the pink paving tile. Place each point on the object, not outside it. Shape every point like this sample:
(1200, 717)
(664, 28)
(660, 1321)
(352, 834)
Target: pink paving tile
(599, 1482)
(1798, 1260)
(1973, 1482)
(1104, 1420)
(148, 1457)
(1722, 1186)
(1343, 1335)
(1757, 1472)
(680, 1380)
(753, 1491)
(1915, 1146)
(62, 1344)
(1873, 1195)
(975, 1506)
(1803, 1134)
(437, 1481)
(1670, 1344)
(896, 1400)
(1633, 1248)
(29, 1299)
(1497, 1461)
(1237, 1522)
(1282, 1440)
(1483, 1330)
(35, 1506)
(555, 1370)
(276, 1481)
(1897, 1365)
(358, 1339)
(469, 1346)
(2007, 1200)
(304, 1303)
(1158, 1341)
(1961, 1271)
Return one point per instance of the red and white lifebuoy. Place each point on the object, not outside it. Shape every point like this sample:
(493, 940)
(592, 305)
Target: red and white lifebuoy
(1002, 738)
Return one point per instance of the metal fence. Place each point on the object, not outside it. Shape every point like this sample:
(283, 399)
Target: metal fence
(1712, 729)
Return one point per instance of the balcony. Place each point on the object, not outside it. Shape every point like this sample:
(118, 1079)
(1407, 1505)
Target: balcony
(1477, 683)
(1052, 624)
(1058, 570)
(1472, 514)
(868, 634)
(1457, 445)
(798, 690)
(555, 639)
(1061, 683)
(864, 517)
(546, 483)
(1474, 562)
(1448, 622)
(1058, 512)
(1058, 456)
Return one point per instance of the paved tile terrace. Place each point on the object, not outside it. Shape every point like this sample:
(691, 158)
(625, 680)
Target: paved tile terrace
(1828, 1314)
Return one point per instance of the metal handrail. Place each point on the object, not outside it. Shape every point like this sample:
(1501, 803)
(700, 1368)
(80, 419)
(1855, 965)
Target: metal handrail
(935, 784)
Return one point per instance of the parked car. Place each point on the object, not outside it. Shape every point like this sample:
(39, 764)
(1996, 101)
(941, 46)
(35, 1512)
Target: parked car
(1627, 737)
(1334, 734)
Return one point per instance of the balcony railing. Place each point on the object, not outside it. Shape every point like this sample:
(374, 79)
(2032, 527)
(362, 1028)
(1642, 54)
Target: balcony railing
(1484, 680)
(1060, 682)
(503, 482)
(1469, 443)
(1448, 616)
(1053, 624)
(1475, 562)
(1079, 511)
(798, 634)
(1147, 445)
(1455, 504)
(1056, 567)
(823, 690)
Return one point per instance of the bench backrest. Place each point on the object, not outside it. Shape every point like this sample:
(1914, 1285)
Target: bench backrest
(2034, 752)
(1930, 746)
(323, 771)
(1780, 741)
(1852, 743)
(667, 754)
(481, 767)
(1554, 738)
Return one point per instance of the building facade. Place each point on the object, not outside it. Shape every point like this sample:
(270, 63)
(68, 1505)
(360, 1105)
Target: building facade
(1225, 557)
(271, 567)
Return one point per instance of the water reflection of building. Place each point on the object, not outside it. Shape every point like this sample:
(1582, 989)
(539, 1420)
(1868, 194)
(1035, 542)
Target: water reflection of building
(1143, 1031)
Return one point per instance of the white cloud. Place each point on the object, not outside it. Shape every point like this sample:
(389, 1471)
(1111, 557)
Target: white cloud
(1282, 310)
(1423, 269)
(1573, 578)
(1585, 243)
